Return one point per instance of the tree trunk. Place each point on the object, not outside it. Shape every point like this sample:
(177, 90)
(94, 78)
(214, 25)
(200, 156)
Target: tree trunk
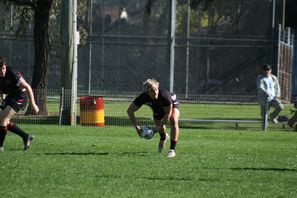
(42, 54)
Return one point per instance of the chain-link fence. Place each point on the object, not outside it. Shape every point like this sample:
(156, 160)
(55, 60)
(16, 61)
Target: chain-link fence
(285, 62)
(220, 47)
(110, 110)
(219, 52)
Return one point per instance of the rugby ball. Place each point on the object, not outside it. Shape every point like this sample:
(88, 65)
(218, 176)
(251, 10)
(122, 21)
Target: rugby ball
(147, 132)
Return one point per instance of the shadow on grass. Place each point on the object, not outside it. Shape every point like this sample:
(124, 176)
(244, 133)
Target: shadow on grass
(168, 178)
(99, 153)
(150, 178)
(264, 169)
(135, 153)
(77, 153)
(180, 179)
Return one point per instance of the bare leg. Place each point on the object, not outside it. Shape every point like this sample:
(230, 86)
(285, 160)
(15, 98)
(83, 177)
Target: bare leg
(163, 136)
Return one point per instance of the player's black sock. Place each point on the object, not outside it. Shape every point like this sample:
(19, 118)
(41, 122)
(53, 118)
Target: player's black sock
(17, 130)
(162, 136)
(3, 131)
(173, 144)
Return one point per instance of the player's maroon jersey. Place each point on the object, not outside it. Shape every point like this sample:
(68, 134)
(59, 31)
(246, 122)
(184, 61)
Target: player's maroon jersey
(9, 84)
(164, 100)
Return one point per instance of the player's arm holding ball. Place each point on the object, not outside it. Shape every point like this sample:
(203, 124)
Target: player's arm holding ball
(131, 109)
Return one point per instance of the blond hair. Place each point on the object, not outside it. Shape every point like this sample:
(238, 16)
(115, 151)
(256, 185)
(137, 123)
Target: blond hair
(149, 84)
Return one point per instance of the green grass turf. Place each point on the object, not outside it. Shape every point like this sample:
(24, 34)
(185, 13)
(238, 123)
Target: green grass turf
(114, 162)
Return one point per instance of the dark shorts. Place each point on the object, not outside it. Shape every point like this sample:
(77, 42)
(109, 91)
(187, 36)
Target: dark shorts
(175, 105)
(17, 102)
(175, 101)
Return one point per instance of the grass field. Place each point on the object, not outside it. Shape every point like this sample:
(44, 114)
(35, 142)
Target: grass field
(114, 162)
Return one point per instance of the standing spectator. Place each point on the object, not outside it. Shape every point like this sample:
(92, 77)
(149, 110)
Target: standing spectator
(164, 106)
(269, 93)
(15, 92)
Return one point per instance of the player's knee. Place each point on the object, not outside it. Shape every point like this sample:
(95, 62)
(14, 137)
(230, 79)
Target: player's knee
(174, 124)
(281, 106)
(163, 136)
(163, 129)
(4, 122)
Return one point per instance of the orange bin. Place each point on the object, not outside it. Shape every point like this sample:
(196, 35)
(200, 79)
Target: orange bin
(92, 111)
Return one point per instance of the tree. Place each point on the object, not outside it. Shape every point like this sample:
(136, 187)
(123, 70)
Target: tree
(41, 11)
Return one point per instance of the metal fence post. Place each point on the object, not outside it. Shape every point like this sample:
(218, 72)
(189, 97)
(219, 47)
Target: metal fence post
(172, 42)
(265, 117)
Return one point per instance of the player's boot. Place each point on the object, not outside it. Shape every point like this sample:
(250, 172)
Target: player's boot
(27, 142)
(1, 149)
(171, 153)
(273, 120)
(162, 143)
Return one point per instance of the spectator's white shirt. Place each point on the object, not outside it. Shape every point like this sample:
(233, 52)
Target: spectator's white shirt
(270, 88)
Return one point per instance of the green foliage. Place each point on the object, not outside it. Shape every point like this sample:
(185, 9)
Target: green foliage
(114, 162)
(230, 16)
(24, 15)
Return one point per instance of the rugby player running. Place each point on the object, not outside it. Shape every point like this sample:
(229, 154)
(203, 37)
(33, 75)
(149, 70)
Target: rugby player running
(15, 92)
